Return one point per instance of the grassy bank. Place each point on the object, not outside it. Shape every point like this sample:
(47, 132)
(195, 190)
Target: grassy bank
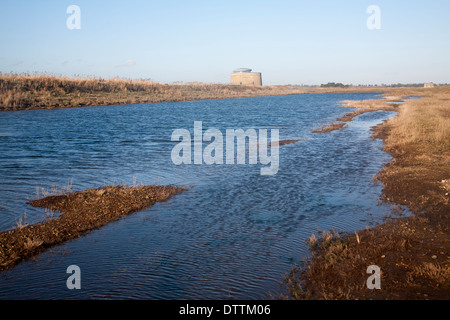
(386, 104)
(412, 252)
(82, 212)
(23, 92)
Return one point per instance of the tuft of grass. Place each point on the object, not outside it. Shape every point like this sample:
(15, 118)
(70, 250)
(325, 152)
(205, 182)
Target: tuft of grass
(313, 243)
(54, 190)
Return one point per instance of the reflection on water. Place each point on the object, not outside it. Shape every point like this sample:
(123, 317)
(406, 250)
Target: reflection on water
(234, 235)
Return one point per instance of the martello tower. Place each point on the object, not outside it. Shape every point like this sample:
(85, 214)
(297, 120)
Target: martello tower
(245, 77)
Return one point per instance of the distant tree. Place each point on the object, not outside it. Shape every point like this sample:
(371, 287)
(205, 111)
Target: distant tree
(334, 85)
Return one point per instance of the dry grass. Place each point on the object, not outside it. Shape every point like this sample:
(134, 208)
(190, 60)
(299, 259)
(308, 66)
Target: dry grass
(423, 121)
(22, 221)
(362, 106)
(329, 127)
(31, 244)
(412, 252)
(431, 271)
(419, 139)
(19, 92)
(350, 115)
(288, 141)
(41, 91)
(419, 121)
(410, 268)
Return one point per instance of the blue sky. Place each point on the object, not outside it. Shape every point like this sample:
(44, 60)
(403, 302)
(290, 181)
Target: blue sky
(290, 42)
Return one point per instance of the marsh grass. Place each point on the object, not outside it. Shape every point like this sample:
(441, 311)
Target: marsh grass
(40, 91)
(81, 212)
(44, 91)
(421, 121)
(54, 190)
(329, 127)
(31, 244)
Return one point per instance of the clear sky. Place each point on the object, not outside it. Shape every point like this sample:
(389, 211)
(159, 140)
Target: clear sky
(290, 42)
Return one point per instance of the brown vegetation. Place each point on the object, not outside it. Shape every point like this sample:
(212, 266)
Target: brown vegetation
(363, 106)
(40, 91)
(412, 252)
(82, 212)
(329, 127)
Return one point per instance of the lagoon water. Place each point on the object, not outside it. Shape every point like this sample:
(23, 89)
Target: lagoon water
(234, 235)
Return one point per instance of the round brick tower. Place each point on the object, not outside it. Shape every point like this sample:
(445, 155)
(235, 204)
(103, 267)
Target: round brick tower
(245, 77)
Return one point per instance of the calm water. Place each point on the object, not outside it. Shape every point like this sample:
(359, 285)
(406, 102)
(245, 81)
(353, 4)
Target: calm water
(233, 236)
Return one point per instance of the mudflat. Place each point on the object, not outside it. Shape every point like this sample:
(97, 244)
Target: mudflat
(412, 252)
(81, 212)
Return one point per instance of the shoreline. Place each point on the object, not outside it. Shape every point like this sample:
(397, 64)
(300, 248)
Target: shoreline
(43, 92)
(81, 212)
(406, 249)
(412, 252)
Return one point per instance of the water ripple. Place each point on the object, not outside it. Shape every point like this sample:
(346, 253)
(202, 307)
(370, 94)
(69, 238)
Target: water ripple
(234, 235)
